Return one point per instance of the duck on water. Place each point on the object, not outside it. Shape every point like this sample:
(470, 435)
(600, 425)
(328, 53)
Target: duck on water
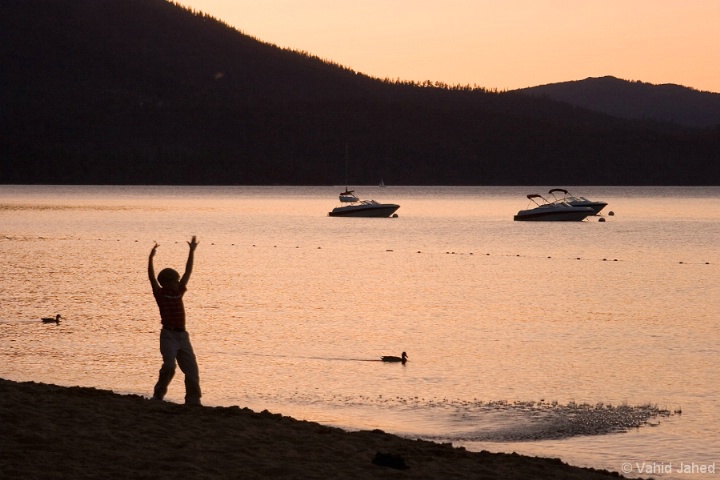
(390, 358)
(55, 320)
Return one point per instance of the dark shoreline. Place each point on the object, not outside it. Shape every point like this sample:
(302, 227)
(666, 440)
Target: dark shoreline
(47, 431)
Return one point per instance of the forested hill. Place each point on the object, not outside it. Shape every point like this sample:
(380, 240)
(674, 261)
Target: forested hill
(146, 92)
(637, 100)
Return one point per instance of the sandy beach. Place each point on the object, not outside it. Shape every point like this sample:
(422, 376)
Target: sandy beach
(47, 431)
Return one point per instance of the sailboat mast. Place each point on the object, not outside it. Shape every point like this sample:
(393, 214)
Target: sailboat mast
(346, 167)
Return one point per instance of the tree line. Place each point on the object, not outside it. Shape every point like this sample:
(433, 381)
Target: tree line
(147, 92)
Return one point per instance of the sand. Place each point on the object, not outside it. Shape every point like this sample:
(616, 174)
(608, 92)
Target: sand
(47, 431)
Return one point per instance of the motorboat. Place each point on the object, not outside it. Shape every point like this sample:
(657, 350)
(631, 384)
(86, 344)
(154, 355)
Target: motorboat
(557, 211)
(360, 208)
(364, 208)
(577, 201)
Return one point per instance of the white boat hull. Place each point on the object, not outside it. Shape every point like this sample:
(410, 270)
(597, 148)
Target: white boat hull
(365, 210)
(596, 206)
(554, 214)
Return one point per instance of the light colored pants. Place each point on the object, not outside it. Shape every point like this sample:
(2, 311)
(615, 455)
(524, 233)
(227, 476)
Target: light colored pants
(175, 346)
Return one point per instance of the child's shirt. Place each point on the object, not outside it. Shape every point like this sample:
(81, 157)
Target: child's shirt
(172, 309)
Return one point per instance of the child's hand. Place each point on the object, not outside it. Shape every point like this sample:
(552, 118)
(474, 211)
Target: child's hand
(193, 243)
(152, 252)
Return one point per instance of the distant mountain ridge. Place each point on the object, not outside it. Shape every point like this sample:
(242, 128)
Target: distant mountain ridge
(637, 100)
(148, 92)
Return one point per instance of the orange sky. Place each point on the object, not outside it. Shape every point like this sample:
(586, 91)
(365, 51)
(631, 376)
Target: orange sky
(503, 44)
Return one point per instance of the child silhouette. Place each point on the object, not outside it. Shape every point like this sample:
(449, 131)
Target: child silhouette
(168, 290)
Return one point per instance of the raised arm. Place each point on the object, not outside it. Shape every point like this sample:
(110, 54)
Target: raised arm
(151, 269)
(193, 243)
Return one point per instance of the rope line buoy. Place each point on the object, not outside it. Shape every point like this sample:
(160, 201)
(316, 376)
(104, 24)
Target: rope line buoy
(447, 252)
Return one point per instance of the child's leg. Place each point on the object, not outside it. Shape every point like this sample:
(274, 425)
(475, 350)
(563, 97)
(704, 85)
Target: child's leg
(188, 364)
(168, 349)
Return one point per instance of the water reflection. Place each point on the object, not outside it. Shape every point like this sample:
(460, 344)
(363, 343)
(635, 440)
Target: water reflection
(291, 310)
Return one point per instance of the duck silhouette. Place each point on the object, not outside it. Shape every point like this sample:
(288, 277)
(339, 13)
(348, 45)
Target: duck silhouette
(55, 320)
(390, 358)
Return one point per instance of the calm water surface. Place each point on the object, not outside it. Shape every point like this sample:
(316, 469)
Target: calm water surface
(289, 309)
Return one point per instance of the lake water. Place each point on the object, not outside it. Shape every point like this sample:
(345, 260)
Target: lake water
(522, 336)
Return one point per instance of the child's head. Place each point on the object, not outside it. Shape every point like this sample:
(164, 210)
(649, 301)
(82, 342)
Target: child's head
(167, 277)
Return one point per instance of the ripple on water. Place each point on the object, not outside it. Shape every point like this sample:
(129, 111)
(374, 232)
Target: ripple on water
(481, 421)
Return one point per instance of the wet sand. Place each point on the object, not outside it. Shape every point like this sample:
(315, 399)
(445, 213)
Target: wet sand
(47, 431)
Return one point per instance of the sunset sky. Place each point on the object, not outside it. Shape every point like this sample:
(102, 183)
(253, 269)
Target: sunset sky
(503, 44)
